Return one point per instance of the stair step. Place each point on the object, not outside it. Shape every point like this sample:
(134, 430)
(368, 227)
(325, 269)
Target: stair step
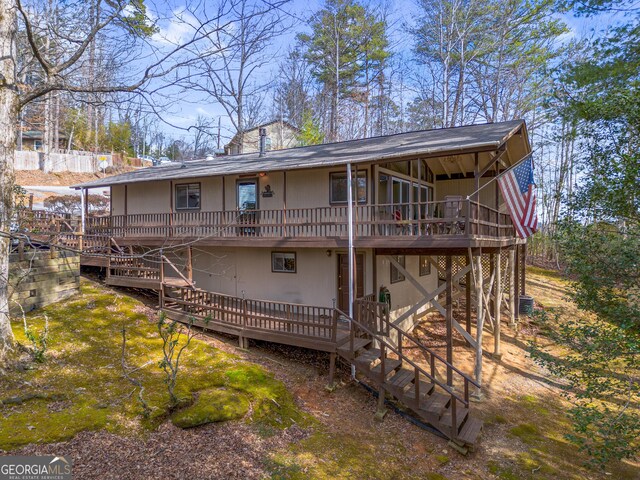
(367, 357)
(401, 379)
(461, 415)
(425, 390)
(358, 344)
(470, 431)
(435, 403)
(389, 366)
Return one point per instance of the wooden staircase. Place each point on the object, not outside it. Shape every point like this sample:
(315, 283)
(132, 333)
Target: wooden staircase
(384, 364)
(386, 357)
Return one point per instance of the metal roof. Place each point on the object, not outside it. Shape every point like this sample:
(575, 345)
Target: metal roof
(445, 141)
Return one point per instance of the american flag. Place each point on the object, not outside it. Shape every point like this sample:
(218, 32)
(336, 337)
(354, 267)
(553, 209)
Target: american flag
(518, 189)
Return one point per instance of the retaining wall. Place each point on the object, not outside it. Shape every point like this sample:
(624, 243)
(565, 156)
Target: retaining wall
(38, 278)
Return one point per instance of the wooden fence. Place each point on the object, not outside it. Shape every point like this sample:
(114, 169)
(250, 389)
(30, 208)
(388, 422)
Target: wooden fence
(60, 162)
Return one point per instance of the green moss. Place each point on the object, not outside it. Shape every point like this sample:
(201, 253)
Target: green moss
(533, 403)
(325, 455)
(210, 406)
(532, 461)
(543, 272)
(442, 459)
(435, 476)
(500, 419)
(82, 386)
(280, 467)
(272, 403)
(526, 432)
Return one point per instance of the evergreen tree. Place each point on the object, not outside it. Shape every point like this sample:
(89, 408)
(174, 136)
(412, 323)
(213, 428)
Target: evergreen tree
(347, 49)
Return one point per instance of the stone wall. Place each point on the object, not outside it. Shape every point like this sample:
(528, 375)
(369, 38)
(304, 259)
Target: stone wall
(38, 278)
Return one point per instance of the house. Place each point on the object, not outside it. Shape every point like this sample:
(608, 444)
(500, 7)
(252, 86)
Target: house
(277, 246)
(279, 134)
(33, 139)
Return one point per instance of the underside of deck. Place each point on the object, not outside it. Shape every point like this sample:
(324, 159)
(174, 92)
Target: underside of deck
(448, 243)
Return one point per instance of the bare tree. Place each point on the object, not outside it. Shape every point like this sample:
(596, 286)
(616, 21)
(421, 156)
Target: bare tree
(9, 107)
(154, 65)
(202, 136)
(244, 38)
(293, 90)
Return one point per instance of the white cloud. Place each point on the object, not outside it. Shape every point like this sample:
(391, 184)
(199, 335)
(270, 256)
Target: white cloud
(176, 30)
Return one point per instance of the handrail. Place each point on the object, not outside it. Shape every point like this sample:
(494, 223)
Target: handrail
(389, 219)
(428, 350)
(165, 259)
(398, 351)
(250, 313)
(435, 355)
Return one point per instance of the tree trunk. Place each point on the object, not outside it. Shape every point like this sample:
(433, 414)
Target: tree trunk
(8, 123)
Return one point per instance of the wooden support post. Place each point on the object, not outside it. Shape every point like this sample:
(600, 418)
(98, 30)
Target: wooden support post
(449, 317)
(380, 410)
(476, 195)
(161, 268)
(492, 270)
(516, 283)
(332, 370)
(189, 265)
(468, 298)
(497, 303)
(126, 212)
(512, 287)
(479, 322)
(21, 250)
(523, 267)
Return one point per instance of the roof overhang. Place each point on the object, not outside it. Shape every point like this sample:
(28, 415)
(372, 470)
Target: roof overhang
(453, 150)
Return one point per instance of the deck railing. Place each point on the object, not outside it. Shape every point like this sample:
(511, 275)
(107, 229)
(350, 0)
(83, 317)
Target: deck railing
(290, 319)
(455, 377)
(459, 218)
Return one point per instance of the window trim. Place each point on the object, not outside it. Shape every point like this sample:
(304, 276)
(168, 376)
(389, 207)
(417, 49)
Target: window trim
(392, 268)
(420, 271)
(175, 196)
(346, 202)
(295, 262)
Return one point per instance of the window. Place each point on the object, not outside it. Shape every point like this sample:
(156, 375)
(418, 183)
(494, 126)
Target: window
(283, 262)
(425, 266)
(338, 193)
(267, 143)
(188, 196)
(396, 276)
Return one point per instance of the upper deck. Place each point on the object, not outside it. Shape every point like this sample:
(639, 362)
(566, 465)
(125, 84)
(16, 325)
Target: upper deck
(444, 224)
(430, 189)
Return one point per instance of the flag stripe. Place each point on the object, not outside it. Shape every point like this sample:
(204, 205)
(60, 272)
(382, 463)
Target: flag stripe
(518, 190)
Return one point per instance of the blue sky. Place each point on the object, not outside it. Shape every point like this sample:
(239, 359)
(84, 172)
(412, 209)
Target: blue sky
(402, 12)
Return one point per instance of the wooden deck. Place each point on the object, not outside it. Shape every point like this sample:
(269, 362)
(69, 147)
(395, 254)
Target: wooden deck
(317, 328)
(370, 342)
(469, 224)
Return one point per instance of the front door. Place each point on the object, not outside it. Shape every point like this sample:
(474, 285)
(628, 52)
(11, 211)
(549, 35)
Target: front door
(343, 279)
(248, 206)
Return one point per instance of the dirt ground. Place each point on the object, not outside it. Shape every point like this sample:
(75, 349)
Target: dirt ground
(522, 407)
(38, 177)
